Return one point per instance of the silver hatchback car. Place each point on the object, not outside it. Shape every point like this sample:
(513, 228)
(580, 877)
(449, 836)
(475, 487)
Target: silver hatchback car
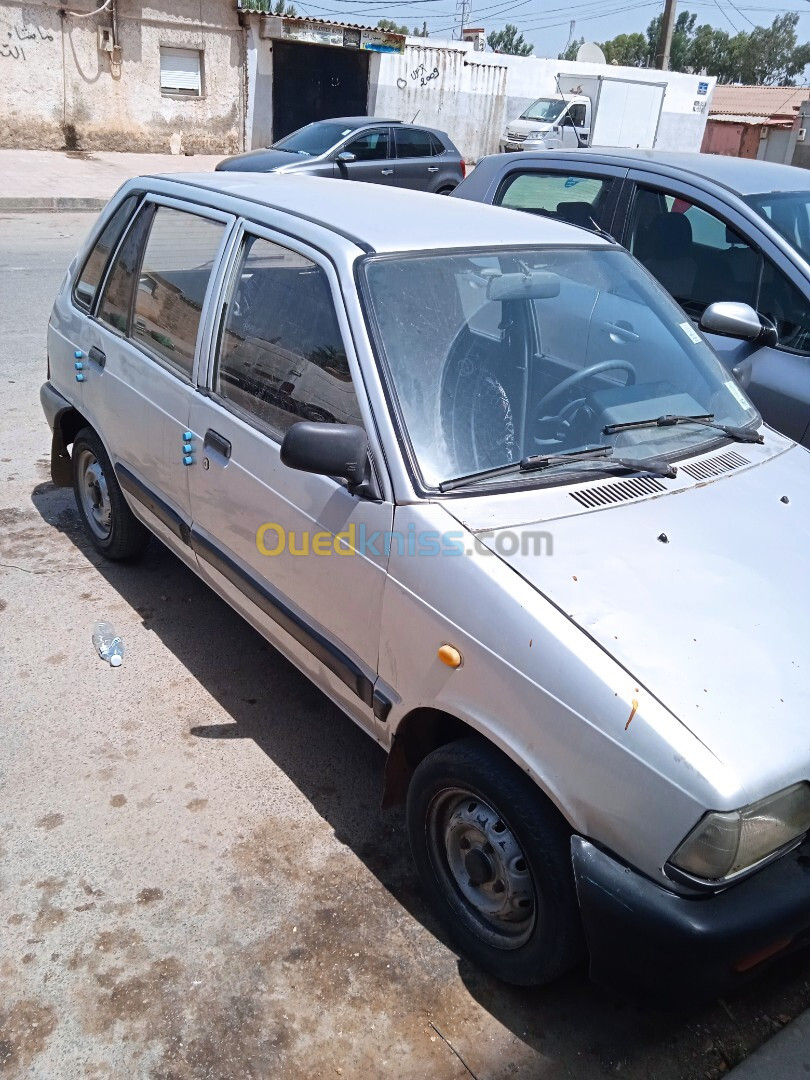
(476, 474)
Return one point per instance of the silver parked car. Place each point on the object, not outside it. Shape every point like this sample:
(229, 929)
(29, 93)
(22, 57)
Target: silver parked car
(366, 148)
(475, 474)
(711, 229)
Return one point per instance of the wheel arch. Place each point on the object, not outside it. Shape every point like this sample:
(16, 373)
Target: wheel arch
(425, 729)
(68, 423)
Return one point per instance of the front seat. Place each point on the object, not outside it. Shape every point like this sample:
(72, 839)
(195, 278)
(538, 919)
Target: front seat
(670, 254)
(577, 213)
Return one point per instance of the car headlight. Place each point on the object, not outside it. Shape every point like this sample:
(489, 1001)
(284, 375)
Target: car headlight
(535, 135)
(723, 845)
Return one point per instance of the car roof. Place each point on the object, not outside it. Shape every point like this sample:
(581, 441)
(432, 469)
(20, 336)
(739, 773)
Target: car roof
(354, 121)
(375, 217)
(743, 176)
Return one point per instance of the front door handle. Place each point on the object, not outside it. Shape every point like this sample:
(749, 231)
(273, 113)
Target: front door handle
(387, 172)
(98, 356)
(216, 442)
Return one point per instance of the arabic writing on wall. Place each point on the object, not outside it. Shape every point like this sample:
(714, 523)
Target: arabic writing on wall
(423, 75)
(21, 35)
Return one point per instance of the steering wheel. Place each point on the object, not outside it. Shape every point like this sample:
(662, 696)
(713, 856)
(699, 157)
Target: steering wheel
(580, 376)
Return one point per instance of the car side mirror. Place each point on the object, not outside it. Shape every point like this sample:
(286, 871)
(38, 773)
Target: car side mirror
(345, 156)
(328, 449)
(731, 319)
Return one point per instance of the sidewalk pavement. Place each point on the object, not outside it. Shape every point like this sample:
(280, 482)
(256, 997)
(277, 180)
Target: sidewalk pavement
(786, 1055)
(59, 180)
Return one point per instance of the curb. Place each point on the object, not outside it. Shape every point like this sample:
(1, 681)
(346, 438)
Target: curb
(55, 203)
(787, 1054)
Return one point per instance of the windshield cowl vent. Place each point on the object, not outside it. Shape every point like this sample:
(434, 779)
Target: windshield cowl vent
(716, 466)
(619, 491)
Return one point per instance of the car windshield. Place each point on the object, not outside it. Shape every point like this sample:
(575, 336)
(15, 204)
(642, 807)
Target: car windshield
(789, 213)
(499, 355)
(314, 139)
(545, 109)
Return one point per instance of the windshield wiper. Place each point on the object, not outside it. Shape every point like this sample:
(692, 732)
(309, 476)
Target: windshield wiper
(602, 455)
(705, 420)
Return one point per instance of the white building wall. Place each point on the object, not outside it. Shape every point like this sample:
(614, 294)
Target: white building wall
(472, 95)
(57, 88)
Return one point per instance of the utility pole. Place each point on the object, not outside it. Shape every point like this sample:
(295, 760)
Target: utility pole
(463, 14)
(665, 38)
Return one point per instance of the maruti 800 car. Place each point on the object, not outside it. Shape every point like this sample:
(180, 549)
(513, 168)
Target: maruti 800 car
(552, 559)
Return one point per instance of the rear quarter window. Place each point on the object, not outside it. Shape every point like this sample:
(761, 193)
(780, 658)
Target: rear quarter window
(84, 291)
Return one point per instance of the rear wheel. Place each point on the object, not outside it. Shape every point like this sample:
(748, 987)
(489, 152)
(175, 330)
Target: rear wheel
(113, 529)
(494, 857)
(444, 191)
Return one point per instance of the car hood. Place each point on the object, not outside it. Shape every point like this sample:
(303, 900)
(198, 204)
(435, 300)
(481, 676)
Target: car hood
(262, 161)
(523, 127)
(704, 596)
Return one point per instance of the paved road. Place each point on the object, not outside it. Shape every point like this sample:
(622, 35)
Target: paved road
(195, 878)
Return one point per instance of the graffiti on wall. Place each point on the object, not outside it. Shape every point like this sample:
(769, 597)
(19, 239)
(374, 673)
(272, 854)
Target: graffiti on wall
(20, 36)
(423, 75)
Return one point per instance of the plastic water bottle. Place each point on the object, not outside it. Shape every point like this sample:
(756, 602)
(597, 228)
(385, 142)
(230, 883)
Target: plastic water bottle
(109, 645)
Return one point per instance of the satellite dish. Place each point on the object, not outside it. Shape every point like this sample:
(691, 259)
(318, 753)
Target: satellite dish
(590, 53)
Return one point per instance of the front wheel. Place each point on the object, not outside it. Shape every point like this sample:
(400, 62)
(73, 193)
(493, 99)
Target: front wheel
(494, 856)
(113, 529)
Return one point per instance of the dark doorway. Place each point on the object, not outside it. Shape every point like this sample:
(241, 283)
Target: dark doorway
(314, 82)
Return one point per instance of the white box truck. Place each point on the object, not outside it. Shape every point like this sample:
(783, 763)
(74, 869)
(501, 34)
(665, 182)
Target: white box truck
(589, 110)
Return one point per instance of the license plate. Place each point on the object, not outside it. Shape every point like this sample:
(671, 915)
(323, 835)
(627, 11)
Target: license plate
(512, 146)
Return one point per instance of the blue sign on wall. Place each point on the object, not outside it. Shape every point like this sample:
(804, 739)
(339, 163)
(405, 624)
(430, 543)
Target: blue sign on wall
(703, 88)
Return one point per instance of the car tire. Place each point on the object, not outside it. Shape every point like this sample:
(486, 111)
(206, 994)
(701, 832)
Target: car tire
(494, 856)
(112, 528)
(445, 190)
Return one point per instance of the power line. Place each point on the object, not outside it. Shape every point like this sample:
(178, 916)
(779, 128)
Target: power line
(727, 17)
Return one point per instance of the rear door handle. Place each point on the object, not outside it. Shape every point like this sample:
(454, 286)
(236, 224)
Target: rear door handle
(214, 441)
(387, 172)
(433, 168)
(98, 356)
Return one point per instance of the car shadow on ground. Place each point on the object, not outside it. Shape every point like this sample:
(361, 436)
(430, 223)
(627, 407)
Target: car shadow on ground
(339, 769)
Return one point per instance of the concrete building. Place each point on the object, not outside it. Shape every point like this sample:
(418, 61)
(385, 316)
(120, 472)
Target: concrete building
(141, 75)
(217, 76)
(763, 122)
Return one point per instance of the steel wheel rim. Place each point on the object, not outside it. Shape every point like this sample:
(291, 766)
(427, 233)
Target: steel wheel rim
(94, 494)
(482, 868)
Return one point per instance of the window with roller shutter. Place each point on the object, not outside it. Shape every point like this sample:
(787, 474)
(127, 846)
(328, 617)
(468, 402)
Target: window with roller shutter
(181, 72)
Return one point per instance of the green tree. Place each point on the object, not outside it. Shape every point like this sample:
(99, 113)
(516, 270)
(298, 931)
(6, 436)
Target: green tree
(681, 41)
(392, 27)
(571, 50)
(282, 8)
(421, 33)
(771, 55)
(509, 40)
(627, 49)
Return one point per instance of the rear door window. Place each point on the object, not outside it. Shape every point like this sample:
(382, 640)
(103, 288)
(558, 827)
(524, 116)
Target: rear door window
(567, 196)
(412, 142)
(180, 254)
(84, 292)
